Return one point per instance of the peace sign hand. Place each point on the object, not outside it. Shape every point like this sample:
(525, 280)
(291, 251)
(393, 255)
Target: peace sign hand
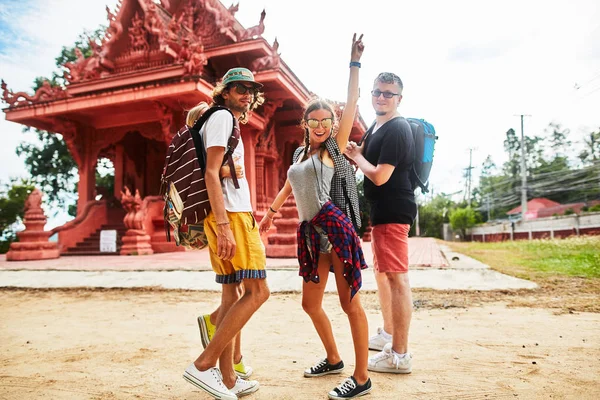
(357, 48)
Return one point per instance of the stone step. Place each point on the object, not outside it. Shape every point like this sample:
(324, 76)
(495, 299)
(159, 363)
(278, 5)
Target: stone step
(89, 253)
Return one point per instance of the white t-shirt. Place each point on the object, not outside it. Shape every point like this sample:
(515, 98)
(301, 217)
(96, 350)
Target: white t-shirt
(215, 133)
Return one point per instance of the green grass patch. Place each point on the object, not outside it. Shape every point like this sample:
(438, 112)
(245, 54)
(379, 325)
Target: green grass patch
(577, 256)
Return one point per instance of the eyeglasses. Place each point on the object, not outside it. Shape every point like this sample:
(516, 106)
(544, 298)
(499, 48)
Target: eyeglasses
(387, 95)
(326, 123)
(243, 89)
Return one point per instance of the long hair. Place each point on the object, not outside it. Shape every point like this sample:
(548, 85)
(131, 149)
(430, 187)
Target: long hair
(195, 113)
(217, 99)
(313, 105)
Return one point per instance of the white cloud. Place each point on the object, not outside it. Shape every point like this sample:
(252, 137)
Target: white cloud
(468, 66)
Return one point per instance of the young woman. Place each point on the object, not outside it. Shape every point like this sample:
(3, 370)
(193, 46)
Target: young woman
(326, 236)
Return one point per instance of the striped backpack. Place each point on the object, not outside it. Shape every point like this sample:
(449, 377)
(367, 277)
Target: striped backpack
(186, 198)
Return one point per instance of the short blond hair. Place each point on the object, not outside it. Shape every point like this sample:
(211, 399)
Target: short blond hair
(195, 113)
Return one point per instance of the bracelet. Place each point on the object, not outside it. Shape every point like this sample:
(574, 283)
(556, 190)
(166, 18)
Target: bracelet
(354, 64)
(222, 223)
(271, 208)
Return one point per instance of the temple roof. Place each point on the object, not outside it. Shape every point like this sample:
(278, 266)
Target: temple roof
(165, 55)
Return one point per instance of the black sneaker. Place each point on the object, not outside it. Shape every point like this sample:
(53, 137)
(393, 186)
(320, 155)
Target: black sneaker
(350, 389)
(324, 368)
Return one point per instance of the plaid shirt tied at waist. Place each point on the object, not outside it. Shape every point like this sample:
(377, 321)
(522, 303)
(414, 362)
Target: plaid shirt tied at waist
(343, 238)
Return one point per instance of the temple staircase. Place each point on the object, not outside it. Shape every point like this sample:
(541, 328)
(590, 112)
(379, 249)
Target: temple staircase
(90, 246)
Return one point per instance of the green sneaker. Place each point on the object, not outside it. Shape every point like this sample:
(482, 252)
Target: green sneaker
(242, 370)
(207, 329)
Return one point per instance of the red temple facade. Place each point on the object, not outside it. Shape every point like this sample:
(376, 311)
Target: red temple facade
(126, 100)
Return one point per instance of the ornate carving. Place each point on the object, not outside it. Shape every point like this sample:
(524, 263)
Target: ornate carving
(233, 9)
(270, 61)
(152, 21)
(256, 30)
(93, 67)
(114, 30)
(137, 34)
(223, 21)
(165, 116)
(68, 130)
(33, 207)
(33, 241)
(266, 141)
(133, 206)
(197, 59)
(46, 92)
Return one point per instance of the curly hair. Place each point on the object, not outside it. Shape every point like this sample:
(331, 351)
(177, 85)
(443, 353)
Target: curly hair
(217, 99)
(389, 77)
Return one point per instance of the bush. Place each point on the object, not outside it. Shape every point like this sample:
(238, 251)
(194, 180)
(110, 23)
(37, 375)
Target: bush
(569, 211)
(595, 208)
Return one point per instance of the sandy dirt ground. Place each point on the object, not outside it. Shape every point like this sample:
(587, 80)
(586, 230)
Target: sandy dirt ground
(135, 344)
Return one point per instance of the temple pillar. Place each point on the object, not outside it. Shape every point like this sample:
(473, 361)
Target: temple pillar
(261, 199)
(283, 243)
(118, 164)
(87, 183)
(249, 140)
(33, 242)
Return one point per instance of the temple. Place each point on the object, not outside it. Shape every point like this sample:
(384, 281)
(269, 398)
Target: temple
(126, 100)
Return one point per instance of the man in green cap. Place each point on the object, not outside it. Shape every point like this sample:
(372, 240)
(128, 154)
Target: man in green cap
(236, 251)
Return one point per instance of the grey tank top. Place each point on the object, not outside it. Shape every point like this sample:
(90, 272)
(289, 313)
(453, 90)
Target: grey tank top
(311, 190)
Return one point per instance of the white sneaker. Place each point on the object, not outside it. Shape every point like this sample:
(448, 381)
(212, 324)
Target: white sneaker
(210, 381)
(377, 342)
(389, 361)
(243, 387)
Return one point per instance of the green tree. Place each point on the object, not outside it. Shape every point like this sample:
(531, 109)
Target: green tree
(433, 215)
(462, 219)
(48, 160)
(558, 139)
(591, 152)
(12, 203)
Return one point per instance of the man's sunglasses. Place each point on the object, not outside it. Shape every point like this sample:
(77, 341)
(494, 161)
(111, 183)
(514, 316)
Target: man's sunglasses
(387, 95)
(243, 89)
(326, 123)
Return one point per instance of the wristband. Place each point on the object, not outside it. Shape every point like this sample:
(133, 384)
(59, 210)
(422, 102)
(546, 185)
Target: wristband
(354, 64)
(222, 223)
(271, 208)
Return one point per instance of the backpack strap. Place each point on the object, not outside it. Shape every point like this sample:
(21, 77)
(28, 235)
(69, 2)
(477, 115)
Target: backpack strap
(367, 133)
(232, 143)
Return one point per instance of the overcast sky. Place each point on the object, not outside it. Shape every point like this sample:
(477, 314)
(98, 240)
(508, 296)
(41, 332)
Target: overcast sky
(469, 67)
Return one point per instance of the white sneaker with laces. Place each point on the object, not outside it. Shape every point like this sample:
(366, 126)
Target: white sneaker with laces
(377, 342)
(243, 387)
(210, 381)
(389, 361)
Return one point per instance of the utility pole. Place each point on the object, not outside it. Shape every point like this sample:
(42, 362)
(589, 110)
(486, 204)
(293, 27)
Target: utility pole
(523, 171)
(469, 176)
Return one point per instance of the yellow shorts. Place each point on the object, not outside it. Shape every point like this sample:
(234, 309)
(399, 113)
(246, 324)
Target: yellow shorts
(249, 261)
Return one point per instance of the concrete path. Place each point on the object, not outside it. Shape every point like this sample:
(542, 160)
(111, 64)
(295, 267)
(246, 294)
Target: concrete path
(432, 266)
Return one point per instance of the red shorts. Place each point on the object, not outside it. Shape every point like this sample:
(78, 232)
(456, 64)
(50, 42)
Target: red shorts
(390, 247)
